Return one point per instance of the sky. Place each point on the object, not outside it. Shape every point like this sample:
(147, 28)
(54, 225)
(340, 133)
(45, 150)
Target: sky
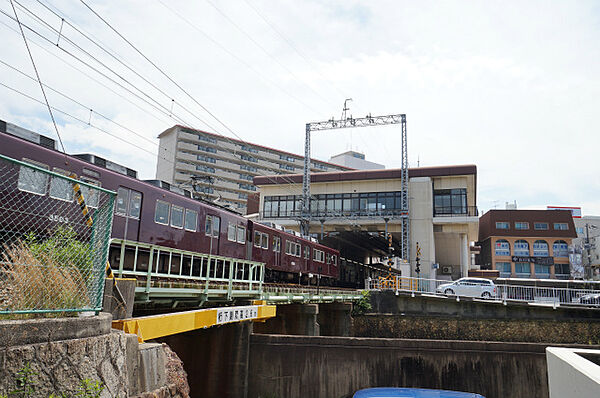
(510, 86)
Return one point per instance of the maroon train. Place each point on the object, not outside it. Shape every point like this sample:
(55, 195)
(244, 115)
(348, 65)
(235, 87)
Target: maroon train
(150, 212)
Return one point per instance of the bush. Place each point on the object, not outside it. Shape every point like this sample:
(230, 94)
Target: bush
(363, 305)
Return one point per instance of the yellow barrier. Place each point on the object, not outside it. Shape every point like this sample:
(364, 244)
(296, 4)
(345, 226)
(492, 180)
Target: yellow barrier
(152, 327)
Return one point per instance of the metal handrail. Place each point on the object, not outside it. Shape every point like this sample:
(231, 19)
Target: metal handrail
(506, 293)
(211, 272)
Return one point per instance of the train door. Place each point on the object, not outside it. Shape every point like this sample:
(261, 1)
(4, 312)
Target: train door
(276, 251)
(250, 243)
(128, 210)
(212, 229)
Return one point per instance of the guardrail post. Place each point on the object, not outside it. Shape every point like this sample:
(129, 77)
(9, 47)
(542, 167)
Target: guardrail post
(207, 275)
(122, 258)
(232, 265)
(149, 275)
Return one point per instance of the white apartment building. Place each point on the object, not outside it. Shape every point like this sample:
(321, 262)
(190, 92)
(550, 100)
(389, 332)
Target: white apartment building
(221, 168)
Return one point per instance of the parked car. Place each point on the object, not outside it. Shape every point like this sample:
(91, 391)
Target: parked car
(390, 392)
(470, 287)
(592, 299)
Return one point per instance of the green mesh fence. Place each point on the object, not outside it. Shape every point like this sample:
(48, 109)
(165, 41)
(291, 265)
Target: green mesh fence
(52, 255)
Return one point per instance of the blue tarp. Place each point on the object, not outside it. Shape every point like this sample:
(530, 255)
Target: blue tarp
(383, 392)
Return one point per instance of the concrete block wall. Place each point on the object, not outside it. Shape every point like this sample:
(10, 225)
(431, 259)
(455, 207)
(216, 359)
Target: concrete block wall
(62, 352)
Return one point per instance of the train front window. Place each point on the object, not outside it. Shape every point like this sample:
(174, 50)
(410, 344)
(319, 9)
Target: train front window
(161, 214)
(135, 204)
(277, 244)
(61, 188)
(177, 216)
(191, 220)
(31, 180)
(307, 252)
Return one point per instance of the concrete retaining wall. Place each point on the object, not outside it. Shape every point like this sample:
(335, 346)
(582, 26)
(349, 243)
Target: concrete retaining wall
(331, 367)
(507, 330)
(388, 303)
(62, 352)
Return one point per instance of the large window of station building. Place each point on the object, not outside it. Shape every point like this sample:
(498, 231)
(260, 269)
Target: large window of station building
(449, 201)
(334, 204)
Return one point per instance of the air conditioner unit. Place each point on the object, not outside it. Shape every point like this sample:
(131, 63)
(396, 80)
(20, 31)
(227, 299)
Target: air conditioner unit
(446, 270)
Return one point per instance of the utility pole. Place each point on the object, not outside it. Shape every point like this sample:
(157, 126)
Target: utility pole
(588, 247)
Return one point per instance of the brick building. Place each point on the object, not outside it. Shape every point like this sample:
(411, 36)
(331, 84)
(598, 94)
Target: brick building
(527, 243)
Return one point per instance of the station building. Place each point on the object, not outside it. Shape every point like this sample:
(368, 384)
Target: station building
(527, 243)
(222, 168)
(350, 207)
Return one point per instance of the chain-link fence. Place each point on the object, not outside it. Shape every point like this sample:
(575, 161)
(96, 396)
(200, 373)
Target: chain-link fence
(54, 238)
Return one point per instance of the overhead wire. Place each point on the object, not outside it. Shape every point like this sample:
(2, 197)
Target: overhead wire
(120, 61)
(38, 76)
(97, 71)
(86, 75)
(170, 79)
(237, 58)
(156, 104)
(264, 50)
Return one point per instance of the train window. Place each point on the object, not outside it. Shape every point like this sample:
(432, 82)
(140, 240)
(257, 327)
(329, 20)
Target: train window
(288, 246)
(213, 225)
(334, 260)
(191, 220)
(161, 214)
(92, 173)
(90, 196)
(135, 204)
(257, 238)
(298, 249)
(176, 216)
(241, 235)
(60, 188)
(265, 241)
(319, 255)
(307, 252)
(231, 232)
(216, 226)
(121, 205)
(277, 244)
(31, 180)
(292, 248)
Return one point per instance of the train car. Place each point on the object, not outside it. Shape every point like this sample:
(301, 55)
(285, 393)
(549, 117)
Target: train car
(150, 212)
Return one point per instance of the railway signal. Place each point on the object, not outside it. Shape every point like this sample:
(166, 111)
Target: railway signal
(418, 260)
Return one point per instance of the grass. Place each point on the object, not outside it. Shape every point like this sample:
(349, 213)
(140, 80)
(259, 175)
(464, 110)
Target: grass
(35, 280)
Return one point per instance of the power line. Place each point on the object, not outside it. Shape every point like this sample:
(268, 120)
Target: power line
(158, 105)
(234, 56)
(87, 75)
(38, 77)
(80, 104)
(257, 44)
(119, 60)
(165, 74)
(293, 46)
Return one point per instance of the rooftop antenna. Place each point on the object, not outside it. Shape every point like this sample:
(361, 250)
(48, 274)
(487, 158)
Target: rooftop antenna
(345, 108)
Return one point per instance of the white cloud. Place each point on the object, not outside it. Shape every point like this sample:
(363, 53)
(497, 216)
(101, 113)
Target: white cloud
(512, 87)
